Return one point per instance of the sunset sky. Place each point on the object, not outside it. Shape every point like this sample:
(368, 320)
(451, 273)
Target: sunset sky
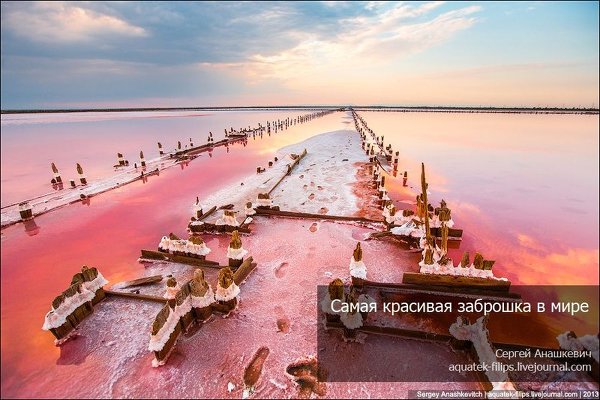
(131, 54)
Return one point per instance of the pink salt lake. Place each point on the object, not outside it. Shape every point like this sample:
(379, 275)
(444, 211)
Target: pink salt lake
(523, 187)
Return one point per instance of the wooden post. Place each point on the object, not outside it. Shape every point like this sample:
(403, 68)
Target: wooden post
(57, 177)
(25, 211)
(160, 149)
(235, 245)
(82, 178)
(142, 160)
(425, 201)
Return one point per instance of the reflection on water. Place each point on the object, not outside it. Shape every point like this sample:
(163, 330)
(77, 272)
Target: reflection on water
(31, 228)
(523, 188)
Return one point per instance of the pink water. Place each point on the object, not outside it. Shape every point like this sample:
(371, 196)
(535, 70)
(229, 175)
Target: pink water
(523, 188)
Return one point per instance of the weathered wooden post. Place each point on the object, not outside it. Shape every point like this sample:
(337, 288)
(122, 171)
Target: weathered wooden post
(183, 306)
(160, 149)
(424, 200)
(142, 160)
(235, 251)
(335, 291)
(227, 291)
(198, 209)
(465, 262)
(358, 270)
(171, 289)
(57, 178)
(165, 332)
(352, 319)
(249, 209)
(202, 296)
(82, 178)
(191, 143)
(405, 178)
(25, 211)
(74, 304)
(120, 160)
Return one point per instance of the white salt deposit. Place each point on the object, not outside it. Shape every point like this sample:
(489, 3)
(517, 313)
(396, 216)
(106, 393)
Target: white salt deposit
(228, 220)
(56, 317)
(158, 341)
(325, 176)
(587, 342)
(236, 254)
(171, 292)
(204, 301)
(351, 321)
(358, 269)
(477, 334)
(226, 294)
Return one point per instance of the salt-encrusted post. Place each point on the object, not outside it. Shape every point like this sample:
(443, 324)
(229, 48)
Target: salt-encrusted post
(444, 244)
(57, 178)
(264, 200)
(358, 270)
(352, 319)
(120, 159)
(249, 209)
(198, 208)
(74, 304)
(235, 251)
(335, 291)
(405, 178)
(183, 304)
(165, 332)
(478, 334)
(160, 149)
(227, 291)
(171, 289)
(191, 143)
(195, 247)
(424, 200)
(228, 219)
(82, 178)
(142, 160)
(25, 211)
(202, 296)
(465, 262)
(396, 157)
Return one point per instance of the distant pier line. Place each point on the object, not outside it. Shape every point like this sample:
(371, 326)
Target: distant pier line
(439, 109)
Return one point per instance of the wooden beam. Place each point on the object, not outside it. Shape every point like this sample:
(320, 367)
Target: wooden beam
(289, 171)
(481, 292)
(293, 214)
(146, 297)
(243, 271)
(139, 282)
(160, 256)
(416, 278)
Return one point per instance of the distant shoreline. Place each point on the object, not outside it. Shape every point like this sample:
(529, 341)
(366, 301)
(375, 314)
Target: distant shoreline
(535, 110)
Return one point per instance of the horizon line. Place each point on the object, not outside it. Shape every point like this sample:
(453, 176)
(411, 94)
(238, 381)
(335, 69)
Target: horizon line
(305, 106)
